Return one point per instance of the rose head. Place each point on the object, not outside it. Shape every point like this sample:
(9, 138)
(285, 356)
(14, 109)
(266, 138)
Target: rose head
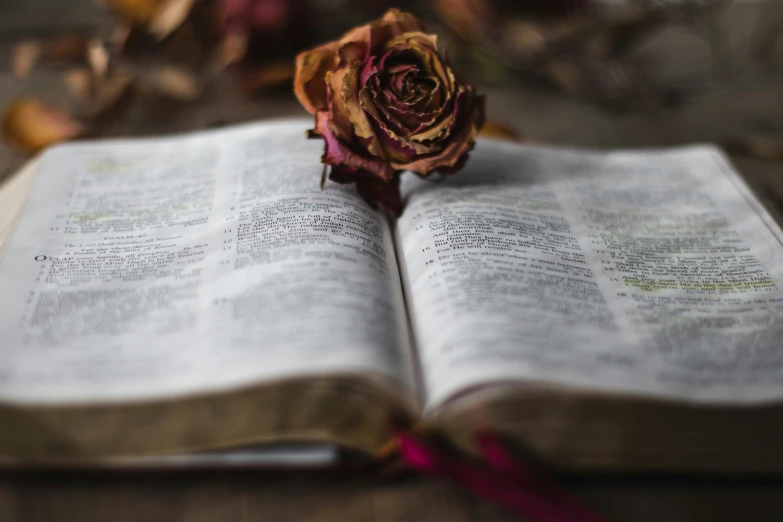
(385, 101)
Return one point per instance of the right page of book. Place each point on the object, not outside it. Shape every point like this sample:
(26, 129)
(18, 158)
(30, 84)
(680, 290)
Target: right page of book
(645, 272)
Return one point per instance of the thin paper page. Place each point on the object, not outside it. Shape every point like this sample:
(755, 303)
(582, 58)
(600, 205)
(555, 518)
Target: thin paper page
(642, 272)
(148, 268)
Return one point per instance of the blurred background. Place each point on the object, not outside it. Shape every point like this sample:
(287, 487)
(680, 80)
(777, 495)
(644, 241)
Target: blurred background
(584, 72)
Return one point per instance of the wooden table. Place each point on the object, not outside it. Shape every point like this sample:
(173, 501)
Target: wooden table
(752, 102)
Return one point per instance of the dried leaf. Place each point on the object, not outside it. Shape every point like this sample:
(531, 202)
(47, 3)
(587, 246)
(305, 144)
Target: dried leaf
(24, 56)
(78, 82)
(565, 74)
(621, 36)
(109, 91)
(61, 49)
(172, 82)
(268, 76)
(524, 38)
(761, 147)
(66, 48)
(137, 12)
(168, 17)
(231, 50)
(32, 126)
(501, 131)
(119, 35)
(98, 58)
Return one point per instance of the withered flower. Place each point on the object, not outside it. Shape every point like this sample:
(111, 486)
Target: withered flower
(385, 101)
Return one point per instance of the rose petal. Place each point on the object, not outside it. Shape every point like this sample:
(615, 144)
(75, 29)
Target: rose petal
(430, 126)
(339, 123)
(405, 22)
(345, 104)
(343, 88)
(425, 48)
(396, 148)
(399, 114)
(379, 194)
(415, 41)
(393, 146)
(401, 120)
(352, 52)
(338, 154)
(393, 24)
(374, 34)
(459, 143)
(368, 71)
(310, 76)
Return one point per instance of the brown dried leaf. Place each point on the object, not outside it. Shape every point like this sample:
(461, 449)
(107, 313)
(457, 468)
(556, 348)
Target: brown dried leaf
(168, 17)
(66, 48)
(109, 91)
(465, 17)
(501, 131)
(565, 74)
(78, 82)
(24, 56)
(231, 50)
(31, 125)
(137, 12)
(119, 36)
(98, 58)
(524, 38)
(172, 82)
(761, 147)
(268, 76)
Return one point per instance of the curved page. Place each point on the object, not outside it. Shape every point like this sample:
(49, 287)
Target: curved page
(160, 267)
(653, 273)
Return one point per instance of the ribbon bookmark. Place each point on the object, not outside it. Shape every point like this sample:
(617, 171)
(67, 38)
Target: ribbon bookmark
(503, 480)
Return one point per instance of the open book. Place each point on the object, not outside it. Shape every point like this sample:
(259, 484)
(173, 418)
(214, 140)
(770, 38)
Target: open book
(174, 295)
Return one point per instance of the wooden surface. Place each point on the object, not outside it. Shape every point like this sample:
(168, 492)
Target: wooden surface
(253, 496)
(751, 103)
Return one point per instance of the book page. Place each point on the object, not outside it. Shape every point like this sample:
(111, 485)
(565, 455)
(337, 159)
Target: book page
(268, 456)
(158, 267)
(639, 272)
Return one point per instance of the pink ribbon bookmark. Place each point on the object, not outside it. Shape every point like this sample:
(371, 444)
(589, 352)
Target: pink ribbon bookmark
(503, 480)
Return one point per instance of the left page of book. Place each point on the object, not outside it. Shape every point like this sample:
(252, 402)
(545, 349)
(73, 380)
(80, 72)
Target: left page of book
(155, 268)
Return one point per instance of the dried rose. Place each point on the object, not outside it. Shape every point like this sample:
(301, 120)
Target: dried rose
(385, 101)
